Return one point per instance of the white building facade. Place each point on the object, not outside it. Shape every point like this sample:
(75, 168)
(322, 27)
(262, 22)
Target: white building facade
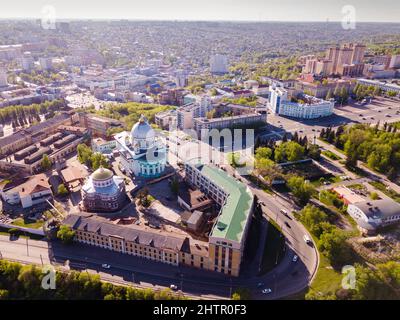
(141, 151)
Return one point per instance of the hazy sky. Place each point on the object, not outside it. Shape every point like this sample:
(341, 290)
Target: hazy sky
(249, 10)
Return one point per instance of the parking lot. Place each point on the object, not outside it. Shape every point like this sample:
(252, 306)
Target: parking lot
(380, 109)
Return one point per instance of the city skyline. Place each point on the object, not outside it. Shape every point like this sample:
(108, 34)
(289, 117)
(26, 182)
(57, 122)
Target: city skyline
(223, 10)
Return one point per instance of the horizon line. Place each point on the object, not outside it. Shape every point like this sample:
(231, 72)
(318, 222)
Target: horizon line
(192, 20)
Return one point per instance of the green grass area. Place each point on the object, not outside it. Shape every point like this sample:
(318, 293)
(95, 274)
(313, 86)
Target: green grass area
(330, 180)
(389, 192)
(357, 186)
(327, 281)
(274, 248)
(28, 223)
(330, 155)
(19, 234)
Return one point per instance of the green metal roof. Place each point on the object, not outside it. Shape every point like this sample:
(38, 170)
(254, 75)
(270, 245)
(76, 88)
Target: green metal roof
(234, 214)
(102, 174)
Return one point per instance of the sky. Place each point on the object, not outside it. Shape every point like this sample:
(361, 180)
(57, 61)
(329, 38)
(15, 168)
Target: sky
(232, 10)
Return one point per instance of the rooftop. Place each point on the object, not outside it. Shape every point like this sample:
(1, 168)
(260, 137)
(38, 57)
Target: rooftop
(233, 217)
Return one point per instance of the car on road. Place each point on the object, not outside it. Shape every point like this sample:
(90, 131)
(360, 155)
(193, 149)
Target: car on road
(283, 211)
(260, 285)
(173, 287)
(266, 291)
(295, 258)
(106, 266)
(307, 239)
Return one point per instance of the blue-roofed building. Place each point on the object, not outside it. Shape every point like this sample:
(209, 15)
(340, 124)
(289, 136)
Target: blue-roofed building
(103, 192)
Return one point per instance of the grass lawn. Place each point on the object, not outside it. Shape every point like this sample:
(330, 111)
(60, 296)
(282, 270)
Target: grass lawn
(331, 155)
(274, 248)
(28, 223)
(357, 186)
(327, 281)
(389, 192)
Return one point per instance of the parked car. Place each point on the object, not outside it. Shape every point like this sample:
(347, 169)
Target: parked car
(295, 258)
(106, 266)
(173, 287)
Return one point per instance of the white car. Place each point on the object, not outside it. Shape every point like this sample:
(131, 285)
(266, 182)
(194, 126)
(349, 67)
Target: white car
(307, 239)
(283, 211)
(173, 287)
(295, 258)
(266, 291)
(106, 266)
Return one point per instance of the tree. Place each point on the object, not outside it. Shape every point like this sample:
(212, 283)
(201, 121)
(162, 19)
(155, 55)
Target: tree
(66, 234)
(174, 185)
(301, 189)
(241, 294)
(62, 190)
(314, 219)
(314, 152)
(46, 162)
(334, 246)
(98, 160)
(380, 284)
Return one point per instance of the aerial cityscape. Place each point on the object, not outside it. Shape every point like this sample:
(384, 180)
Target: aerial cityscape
(199, 158)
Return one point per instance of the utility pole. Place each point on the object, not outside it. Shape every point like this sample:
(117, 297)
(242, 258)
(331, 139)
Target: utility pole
(27, 245)
(182, 282)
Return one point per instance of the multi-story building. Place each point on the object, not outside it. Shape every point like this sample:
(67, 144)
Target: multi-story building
(27, 62)
(319, 90)
(219, 64)
(36, 189)
(224, 250)
(166, 119)
(247, 119)
(103, 192)
(98, 125)
(3, 78)
(103, 146)
(236, 202)
(395, 61)
(173, 97)
(307, 107)
(374, 214)
(46, 63)
(384, 86)
(347, 60)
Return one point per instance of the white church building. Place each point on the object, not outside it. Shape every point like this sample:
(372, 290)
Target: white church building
(142, 153)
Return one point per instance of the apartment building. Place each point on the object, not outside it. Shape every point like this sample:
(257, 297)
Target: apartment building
(36, 189)
(98, 125)
(139, 241)
(236, 202)
(308, 107)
